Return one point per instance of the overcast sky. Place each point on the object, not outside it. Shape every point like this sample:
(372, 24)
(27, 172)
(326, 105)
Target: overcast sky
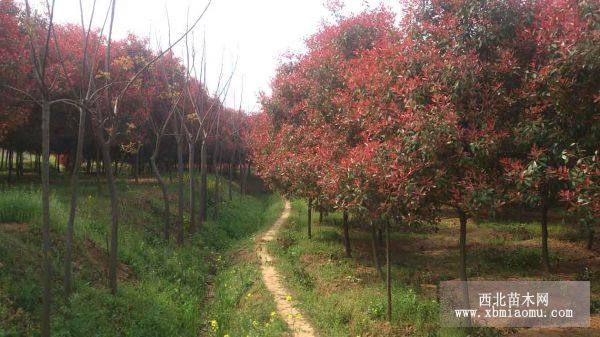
(255, 32)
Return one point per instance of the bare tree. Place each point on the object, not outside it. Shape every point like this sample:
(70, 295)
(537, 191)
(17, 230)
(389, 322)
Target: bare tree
(39, 50)
(159, 128)
(104, 123)
(202, 108)
(85, 95)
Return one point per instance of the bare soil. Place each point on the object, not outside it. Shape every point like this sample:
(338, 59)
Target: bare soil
(299, 326)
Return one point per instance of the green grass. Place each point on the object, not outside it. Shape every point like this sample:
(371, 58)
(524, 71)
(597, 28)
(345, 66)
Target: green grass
(162, 287)
(346, 297)
(18, 206)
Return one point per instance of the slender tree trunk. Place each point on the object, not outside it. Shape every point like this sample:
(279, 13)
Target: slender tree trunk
(389, 271)
(114, 209)
(544, 211)
(16, 155)
(590, 242)
(180, 201)
(45, 326)
(10, 163)
(203, 182)
(217, 174)
(347, 235)
(73, 204)
(241, 173)
(229, 181)
(320, 215)
(217, 167)
(136, 166)
(309, 222)
(375, 251)
(165, 192)
(1, 159)
(192, 186)
(19, 163)
(245, 179)
(462, 216)
(98, 169)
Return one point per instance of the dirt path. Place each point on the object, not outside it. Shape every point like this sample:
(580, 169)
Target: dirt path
(285, 307)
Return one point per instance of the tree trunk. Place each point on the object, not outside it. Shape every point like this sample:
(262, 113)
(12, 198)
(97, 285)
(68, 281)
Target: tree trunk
(380, 236)
(462, 216)
(180, 201)
(114, 209)
(245, 179)
(73, 204)
(320, 215)
(19, 163)
(590, 242)
(45, 326)
(389, 271)
(88, 165)
(98, 168)
(544, 210)
(165, 194)
(347, 235)
(374, 251)
(192, 186)
(136, 166)
(229, 182)
(217, 165)
(10, 163)
(309, 222)
(203, 183)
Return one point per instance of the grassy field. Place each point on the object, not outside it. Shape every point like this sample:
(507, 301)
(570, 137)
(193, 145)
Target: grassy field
(162, 287)
(345, 297)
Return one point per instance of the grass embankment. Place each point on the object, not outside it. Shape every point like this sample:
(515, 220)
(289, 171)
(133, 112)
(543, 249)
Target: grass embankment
(161, 286)
(346, 297)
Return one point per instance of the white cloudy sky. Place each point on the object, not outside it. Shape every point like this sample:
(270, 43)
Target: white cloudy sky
(255, 32)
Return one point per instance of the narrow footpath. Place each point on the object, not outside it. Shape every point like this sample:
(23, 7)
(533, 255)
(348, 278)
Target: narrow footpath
(285, 305)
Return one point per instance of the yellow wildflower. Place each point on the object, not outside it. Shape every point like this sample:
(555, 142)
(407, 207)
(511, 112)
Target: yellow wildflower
(214, 325)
